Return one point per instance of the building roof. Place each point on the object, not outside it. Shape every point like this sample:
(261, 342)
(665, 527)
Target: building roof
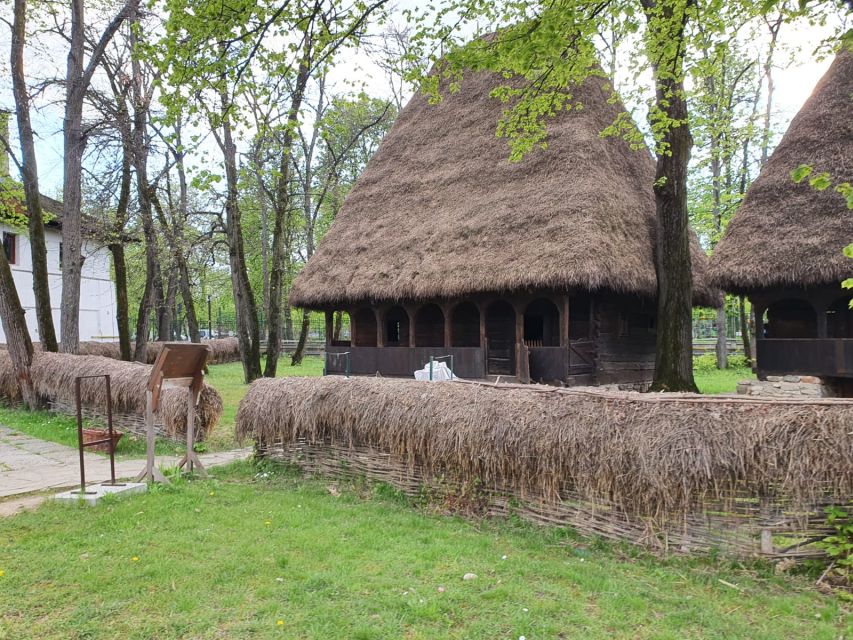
(787, 234)
(440, 211)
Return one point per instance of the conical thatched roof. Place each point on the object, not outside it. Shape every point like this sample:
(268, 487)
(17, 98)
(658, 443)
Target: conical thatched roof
(440, 212)
(787, 234)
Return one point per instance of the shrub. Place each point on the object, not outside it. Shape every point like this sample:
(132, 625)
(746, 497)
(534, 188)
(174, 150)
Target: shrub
(707, 362)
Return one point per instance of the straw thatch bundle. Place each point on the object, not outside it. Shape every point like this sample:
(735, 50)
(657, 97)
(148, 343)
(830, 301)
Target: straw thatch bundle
(644, 455)
(222, 350)
(104, 349)
(441, 212)
(787, 234)
(53, 376)
(8, 381)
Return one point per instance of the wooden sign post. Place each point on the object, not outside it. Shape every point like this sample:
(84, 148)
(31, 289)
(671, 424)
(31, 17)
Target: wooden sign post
(181, 365)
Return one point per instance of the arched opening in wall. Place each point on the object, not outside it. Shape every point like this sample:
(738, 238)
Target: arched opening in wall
(396, 327)
(365, 328)
(839, 319)
(790, 318)
(500, 338)
(580, 325)
(429, 326)
(342, 329)
(465, 325)
(542, 324)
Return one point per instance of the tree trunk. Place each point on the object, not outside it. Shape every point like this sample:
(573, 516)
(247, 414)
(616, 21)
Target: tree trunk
(336, 332)
(288, 320)
(18, 340)
(74, 142)
(77, 81)
(265, 249)
(771, 87)
(722, 343)
(717, 213)
(283, 209)
(187, 297)
(296, 359)
(122, 306)
(29, 175)
(744, 330)
(119, 261)
(674, 354)
(248, 333)
(143, 319)
(166, 315)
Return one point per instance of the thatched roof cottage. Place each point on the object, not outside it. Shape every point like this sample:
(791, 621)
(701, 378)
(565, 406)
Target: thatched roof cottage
(445, 247)
(784, 247)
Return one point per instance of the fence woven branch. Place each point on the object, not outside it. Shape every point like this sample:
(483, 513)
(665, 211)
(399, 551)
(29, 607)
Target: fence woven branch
(699, 472)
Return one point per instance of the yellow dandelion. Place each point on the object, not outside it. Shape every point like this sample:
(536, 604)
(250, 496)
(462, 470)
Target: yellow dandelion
(213, 493)
(2, 573)
(279, 623)
(135, 558)
(268, 522)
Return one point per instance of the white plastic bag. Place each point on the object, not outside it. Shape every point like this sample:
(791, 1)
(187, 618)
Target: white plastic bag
(440, 371)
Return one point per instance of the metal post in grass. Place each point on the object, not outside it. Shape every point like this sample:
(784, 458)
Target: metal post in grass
(430, 368)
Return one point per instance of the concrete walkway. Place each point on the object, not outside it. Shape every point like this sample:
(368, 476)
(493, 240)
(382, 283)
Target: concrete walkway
(29, 465)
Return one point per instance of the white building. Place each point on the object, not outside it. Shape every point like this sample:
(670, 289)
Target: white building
(97, 290)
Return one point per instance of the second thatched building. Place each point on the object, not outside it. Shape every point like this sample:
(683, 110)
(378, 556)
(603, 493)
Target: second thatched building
(542, 269)
(785, 246)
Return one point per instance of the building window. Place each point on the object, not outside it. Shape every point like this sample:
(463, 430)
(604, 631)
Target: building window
(10, 247)
(60, 256)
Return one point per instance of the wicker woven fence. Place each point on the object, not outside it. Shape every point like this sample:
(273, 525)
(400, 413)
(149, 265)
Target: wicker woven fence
(678, 473)
(53, 378)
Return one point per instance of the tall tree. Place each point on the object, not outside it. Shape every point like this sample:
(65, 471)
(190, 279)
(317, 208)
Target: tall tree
(211, 56)
(19, 343)
(29, 176)
(77, 79)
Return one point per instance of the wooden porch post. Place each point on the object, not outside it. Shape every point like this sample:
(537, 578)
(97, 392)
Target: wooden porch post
(448, 338)
(820, 311)
(411, 315)
(564, 322)
(481, 307)
(330, 327)
(522, 366)
(519, 325)
(380, 326)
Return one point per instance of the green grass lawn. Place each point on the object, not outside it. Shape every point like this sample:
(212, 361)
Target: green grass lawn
(721, 380)
(271, 555)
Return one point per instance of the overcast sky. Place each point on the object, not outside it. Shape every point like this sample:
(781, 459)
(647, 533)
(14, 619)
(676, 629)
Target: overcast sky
(794, 83)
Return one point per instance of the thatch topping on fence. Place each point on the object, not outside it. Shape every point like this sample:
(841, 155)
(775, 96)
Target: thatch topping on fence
(648, 456)
(53, 376)
(221, 350)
